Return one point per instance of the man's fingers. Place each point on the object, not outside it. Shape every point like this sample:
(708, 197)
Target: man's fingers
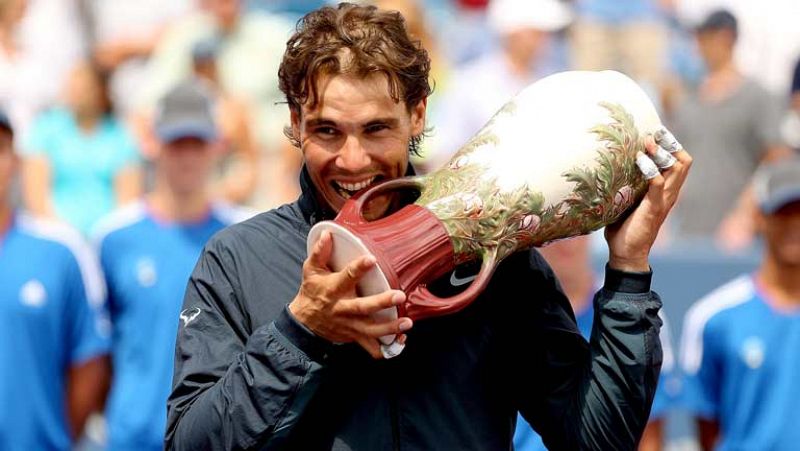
(369, 305)
(321, 252)
(350, 275)
(667, 141)
(393, 327)
(646, 165)
(371, 345)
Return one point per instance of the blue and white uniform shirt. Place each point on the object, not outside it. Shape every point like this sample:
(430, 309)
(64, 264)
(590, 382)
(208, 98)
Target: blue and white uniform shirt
(741, 357)
(52, 318)
(147, 262)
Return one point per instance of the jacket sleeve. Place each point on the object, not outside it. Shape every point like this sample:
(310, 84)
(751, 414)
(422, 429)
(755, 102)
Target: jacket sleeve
(597, 396)
(233, 389)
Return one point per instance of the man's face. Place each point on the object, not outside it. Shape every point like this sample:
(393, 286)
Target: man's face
(526, 43)
(715, 46)
(8, 164)
(186, 164)
(782, 234)
(355, 136)
(84, 90)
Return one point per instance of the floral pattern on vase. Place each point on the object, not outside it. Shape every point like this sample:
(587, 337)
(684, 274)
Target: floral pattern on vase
(488, 218)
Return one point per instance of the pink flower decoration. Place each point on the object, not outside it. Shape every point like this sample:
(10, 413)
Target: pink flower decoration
(530, 223)
(623, 198)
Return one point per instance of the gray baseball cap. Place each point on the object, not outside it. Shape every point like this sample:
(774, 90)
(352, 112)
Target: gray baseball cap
(777, 184)
(186, 112)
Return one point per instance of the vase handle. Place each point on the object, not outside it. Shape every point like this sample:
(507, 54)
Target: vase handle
(352, 211)
(421, 303)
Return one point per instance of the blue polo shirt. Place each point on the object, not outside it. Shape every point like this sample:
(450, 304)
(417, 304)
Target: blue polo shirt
(147, 263)
(526, 439)
(741, 357)
(51, 318)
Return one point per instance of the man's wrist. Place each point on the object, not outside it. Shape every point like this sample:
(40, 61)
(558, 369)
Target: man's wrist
(629, 264)
(628, 281)
(314, 346)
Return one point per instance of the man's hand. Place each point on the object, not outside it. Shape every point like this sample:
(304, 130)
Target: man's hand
(328, 305)
(629, 241)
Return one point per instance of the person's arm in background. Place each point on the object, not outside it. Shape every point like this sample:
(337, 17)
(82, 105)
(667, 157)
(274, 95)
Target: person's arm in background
(700, 363)
(653, 437)
(88, 375)
(87, 385)
(708, 433)
(737, 230)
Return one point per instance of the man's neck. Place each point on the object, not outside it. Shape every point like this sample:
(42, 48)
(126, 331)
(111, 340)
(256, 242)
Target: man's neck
(780, 282)
(170, 206)
(721, 82)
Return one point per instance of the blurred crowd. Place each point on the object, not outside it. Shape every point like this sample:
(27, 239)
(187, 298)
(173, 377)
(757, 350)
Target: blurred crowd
(149, 125)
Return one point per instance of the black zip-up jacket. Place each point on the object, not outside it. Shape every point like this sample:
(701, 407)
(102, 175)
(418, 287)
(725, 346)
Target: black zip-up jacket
(249, 376)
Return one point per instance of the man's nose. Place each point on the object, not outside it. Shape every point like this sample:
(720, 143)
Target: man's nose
(353, 157)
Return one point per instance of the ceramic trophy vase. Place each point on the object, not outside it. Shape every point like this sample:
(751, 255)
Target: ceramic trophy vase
(558, 160)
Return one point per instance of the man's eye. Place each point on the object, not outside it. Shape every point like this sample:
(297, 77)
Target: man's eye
(326, 131)
(375, 128)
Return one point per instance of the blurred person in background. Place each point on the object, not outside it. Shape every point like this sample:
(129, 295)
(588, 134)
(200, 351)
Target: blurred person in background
(53, 327)
(476, 91)
(80, 161)
(123, 35)
(237, 174)
(572, 263)
(250, 46)
(740, 343)
(147, 252)
(732, 124)
(40, 43)
(769, 38)
(625, 35)
(790, 128)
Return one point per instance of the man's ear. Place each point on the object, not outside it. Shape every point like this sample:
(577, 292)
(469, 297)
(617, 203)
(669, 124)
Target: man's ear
(418, 117)
(295, 127)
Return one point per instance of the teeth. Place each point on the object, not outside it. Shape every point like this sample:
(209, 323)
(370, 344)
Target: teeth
(353, 187)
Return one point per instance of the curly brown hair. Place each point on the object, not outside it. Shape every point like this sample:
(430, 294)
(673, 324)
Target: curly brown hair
(355, 40)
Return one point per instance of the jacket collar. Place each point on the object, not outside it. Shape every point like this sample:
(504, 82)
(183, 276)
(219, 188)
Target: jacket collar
(310, 206)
